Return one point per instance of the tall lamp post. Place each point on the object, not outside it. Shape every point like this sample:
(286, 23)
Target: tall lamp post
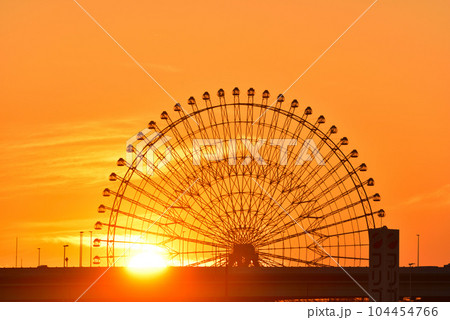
(81, 249)
(418, 242)
(17, 248)
(90, 251)
(39, 256)
(64, 260)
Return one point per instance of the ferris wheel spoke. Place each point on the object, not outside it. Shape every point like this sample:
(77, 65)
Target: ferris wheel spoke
(269, 262)
(183, 180)
(324, 177)
(350, 258)
(335, 199)
(311, 204)
(261, 120)
(276, 212)
(292, 259)
(180, 163)
(324, 141)
(143, 219)
(271, 208)
(322, 227)
(194, 195)
(328, 236)
(148, 232)
(281, 198)
(226, 193)
(317, 223)
(206, 227)
(334, 185)
(172, 196)
(195, 241)
(201, 170)
(297, 185)
(334, 212)
(224, 223)
(207, 232)
(223, 114)
(215, 225)
(290, 166)
(280, 175)
(273, 212)
(204, 261)
(147, 194)
(168, 213)
(194, 214)
(330, 172)
(249, 121)
(304, 174)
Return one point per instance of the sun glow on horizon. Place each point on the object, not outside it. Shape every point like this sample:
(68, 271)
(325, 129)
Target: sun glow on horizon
(148, 260)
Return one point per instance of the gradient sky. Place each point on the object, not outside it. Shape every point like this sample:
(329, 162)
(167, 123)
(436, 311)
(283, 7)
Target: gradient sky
(70, 98)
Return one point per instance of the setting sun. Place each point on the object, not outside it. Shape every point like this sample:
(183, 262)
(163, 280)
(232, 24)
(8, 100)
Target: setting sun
(148, 260)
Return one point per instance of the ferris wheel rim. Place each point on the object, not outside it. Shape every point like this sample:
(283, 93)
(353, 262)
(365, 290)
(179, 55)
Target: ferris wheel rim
(347, 164)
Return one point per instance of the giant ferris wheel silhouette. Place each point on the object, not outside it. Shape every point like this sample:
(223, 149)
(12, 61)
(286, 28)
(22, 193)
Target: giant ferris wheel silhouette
(283, 189)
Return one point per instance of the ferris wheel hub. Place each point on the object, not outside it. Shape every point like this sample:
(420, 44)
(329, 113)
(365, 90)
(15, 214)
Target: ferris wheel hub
(244, 255)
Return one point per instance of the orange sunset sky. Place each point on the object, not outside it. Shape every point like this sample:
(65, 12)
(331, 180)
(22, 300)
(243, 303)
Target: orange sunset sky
(70, 98)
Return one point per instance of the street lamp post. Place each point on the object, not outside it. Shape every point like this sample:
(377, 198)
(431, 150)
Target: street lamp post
(64, 260)
(17, 248)
(418, 242)
(39, 256)
(81, 249)
(90, 251)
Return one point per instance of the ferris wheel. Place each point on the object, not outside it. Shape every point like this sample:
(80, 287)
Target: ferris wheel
(239, 183)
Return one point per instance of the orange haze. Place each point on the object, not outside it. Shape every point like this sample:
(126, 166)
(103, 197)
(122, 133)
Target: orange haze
(70, 98)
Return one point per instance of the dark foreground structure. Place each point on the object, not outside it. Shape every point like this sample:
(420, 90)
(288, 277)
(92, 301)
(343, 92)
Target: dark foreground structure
(212, 284)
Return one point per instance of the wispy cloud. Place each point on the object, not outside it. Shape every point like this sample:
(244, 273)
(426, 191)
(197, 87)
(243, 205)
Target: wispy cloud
(437, 198)
(55, 231)
(65, 154)
(56, 224)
